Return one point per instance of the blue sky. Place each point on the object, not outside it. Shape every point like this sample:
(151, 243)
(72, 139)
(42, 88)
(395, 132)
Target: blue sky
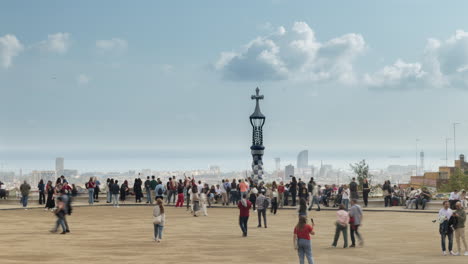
(153, 79)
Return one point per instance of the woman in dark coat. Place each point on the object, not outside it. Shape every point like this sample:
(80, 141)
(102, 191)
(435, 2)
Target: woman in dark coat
(50, 203)
(123, 191)
(137, 190)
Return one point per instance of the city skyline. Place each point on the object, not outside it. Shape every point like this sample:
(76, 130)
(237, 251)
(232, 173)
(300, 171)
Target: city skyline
(136, 89)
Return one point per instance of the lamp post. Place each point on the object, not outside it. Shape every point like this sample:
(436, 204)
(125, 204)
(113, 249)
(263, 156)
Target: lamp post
(257, 120)
(446, 151)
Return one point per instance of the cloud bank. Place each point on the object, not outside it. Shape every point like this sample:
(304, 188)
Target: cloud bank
(114, 44)
(56, 43)
(10, 47)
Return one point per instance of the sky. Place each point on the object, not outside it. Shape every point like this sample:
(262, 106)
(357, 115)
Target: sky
(167, 84)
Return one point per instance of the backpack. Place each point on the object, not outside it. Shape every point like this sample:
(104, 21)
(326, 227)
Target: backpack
(160, 192)
(87, 185)
(266, 203)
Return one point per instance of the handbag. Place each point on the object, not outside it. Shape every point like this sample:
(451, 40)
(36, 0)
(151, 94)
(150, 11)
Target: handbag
(157, 219)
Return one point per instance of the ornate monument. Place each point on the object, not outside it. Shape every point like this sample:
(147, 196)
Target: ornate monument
(257, 119)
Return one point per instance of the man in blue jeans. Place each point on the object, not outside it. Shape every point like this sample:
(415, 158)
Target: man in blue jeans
(25, 188)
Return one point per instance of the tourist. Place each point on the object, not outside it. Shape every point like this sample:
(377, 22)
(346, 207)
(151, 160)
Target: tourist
(90, 185)
(180, 194)
(60, 214)
(97, 189)
(387, 193)
(301, 239)
(108, 189)
(446, 227)
(341, 226)
(424, 198)
(223, 193)
(355, 220)
(188, 191)
(262, 203)
(115, 190)
(123, 191)
(302, 209)
(463, 199)
(234, 192)
(281, 190)
(315, 197)
(345, 194)
(243, 187)
(353, 188)
(460, 214)
(244, 213)
(25, 188)
(412, 199)
(253, 197)
(310, 190)
(137, 190)
(286, 194)
(41, 188)
(171, 191)
(148, 190)
(203, 199)
(195, 200)
(454, 198)
(153, 184)
(50, 203)
(274, 200)
(159, 190)
(2, 191)
(293, 190)
(365, 191)
(159, 220)
(74, 191)
(67, 207)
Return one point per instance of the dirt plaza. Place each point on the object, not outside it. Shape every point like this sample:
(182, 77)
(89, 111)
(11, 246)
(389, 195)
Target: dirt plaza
(102, 234)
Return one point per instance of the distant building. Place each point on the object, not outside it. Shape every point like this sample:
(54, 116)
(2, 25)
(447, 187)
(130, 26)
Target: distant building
(303, 159)
(441, 177)
(278, 164)
(36, 176)
(288, 171)
(59, 166)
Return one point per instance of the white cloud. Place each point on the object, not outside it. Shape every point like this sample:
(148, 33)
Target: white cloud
(167, 68)
(83, 79)
(444, 64)
(58, 43)
(10, 47)
(114, 44)
(294, 54)
(400, 74)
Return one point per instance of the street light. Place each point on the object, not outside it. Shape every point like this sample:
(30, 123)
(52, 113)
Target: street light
(417, 140)
(257, 120)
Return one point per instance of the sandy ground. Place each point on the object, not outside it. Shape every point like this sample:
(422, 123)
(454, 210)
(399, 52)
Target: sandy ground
(124, 235)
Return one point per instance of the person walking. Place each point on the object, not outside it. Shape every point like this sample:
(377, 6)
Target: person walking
(159, 220)
(274, 200)
(25, 188)
(244, 213)
(90, 185)
(115, 190)
(446, 227)
(365, 191)
(342, 220)
(301, 239)
(262, 205)
(316, 196)
(60, 214)
(41, 188)
(355, 219)
(460, 214)
(195, 200)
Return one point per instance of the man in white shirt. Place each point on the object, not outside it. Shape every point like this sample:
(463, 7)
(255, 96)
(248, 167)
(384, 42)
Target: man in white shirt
(411, 198)
(454, 198)
(445, 228)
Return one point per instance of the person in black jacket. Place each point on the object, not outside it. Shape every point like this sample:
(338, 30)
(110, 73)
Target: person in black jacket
(148, 190)
(365, 191)
(293, 190)
(115, 190)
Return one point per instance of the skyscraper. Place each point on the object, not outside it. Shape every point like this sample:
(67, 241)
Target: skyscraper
(59, 166)
(278, 164)
(288, 171)
(303, 160)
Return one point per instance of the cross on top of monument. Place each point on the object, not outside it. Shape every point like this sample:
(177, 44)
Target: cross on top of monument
(257, 96)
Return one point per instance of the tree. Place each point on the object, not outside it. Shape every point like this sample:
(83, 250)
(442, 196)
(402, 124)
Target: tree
(457, 181)
(361, 169)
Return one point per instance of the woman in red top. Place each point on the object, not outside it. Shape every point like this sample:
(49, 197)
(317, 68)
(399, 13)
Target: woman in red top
(302, 233)
(244, 209)
(90, 185)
